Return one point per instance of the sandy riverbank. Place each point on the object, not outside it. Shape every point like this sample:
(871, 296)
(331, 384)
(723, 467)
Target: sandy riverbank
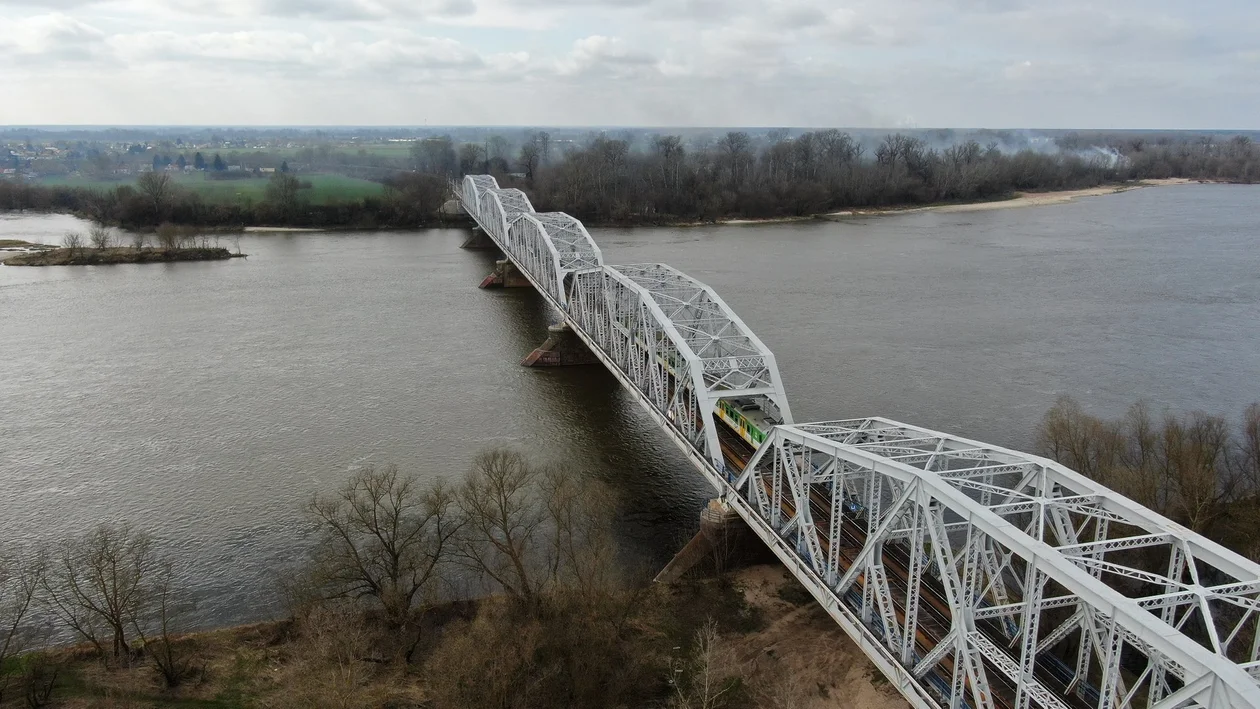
(1021, 199)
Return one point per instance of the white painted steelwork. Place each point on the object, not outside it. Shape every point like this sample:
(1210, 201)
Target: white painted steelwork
(1075, 594)
(971, 575)
(678, 344)
(552, 246)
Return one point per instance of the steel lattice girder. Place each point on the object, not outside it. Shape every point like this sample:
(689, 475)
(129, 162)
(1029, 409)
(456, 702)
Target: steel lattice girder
(552, 245)
(1037, 550)
(499, 208)
(472, 189)
(648, 319)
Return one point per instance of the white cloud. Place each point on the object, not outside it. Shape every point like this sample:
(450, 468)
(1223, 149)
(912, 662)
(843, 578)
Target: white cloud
(606, 55)
(52, 37)
(794, 62)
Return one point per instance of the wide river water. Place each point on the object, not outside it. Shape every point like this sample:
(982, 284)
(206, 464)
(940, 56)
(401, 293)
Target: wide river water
(207, 401)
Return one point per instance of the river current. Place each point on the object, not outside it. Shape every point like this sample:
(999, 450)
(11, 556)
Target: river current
(206, 402)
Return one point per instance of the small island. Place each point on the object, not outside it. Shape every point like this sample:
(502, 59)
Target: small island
(174, 244)
(120, 254)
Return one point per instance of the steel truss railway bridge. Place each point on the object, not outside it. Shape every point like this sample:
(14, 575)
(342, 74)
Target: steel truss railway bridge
(971, 575)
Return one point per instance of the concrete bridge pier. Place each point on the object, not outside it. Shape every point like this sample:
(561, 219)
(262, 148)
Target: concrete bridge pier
(563, 348)
(478, 240)
(721, 535)
(505, 275)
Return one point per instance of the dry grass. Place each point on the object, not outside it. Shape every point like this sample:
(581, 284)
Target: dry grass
(793, 656)
(801, 659)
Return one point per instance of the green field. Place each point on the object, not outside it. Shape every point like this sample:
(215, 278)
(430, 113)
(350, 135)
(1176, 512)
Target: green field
(324, 188)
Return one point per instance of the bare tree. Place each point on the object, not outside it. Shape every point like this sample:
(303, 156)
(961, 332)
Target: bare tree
(333, 644)
(385, 538)
(1196, 454)
(529, 159)
(73, 240)
(98, 586)
(706, 678)
(139, 239)
(168, 236)
(155, 627)
(504, 523)
(100, 236)
(20, 574)
(284, 191)
(159, 187)
(1249, 455)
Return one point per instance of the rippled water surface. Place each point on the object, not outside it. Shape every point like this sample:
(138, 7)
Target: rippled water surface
(207, 401)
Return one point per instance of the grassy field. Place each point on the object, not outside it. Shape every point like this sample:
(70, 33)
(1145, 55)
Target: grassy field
(324, 188)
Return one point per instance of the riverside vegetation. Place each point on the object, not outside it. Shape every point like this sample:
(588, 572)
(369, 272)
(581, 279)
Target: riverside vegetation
(173, 244)
(607, 181)
(508, 590)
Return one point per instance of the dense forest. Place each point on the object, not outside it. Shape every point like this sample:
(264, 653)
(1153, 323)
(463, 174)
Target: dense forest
(666, 179)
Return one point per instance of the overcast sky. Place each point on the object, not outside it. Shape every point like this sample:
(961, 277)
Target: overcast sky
(866, 63)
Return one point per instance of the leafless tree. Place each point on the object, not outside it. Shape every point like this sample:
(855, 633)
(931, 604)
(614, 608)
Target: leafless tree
(1249, 455)
(1196, 456)
(159, 188)
(385, 538)
(471, 158)
(504, 523)
(98, 585)
(1190, 468)
(705, 679)
(284, 191)
(168, 236)
(139, 239)
(156, 628)
(529, 159)
(20, 574)
(73, 240)
(100, 236)
(333, 646)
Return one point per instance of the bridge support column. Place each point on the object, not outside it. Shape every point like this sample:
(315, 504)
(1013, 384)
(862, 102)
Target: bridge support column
(721, 535)
(562, 349)
(478, 240)
(505, 275)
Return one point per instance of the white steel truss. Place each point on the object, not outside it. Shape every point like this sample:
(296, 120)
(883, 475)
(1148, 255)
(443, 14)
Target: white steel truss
(971, 575)
(494, 208)
(998, 578)
(678, 344)
(552, 246)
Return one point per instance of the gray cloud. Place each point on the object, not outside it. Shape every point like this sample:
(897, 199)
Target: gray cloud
(793, 62)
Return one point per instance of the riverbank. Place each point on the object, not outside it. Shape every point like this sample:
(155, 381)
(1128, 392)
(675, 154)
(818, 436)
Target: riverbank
(1019, 199)
(779, 645)
(116, 255)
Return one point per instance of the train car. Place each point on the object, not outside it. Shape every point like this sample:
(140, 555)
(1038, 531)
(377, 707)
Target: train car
(746, 418)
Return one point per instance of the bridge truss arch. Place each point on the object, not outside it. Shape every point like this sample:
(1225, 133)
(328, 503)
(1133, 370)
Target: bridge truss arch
(680, 346)
(501, 207)
(551, 246)
(472, 188)
(1016, 578)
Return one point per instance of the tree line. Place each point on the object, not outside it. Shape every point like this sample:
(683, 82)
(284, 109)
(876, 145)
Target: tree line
(409, 200)
(1196, 469)
(606, 181)
(609, 180)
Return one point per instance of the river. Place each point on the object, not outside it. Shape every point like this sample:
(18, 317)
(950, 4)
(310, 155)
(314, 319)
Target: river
(207, 401)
